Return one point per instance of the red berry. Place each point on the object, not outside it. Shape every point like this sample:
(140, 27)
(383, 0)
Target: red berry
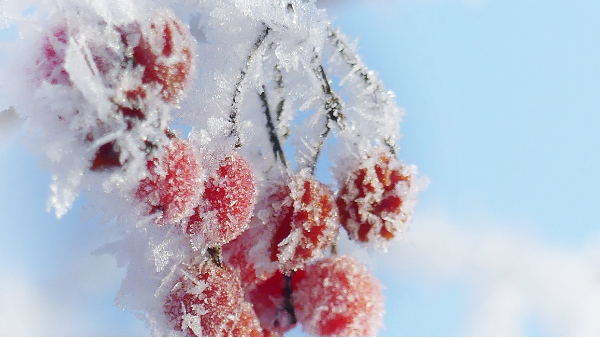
(227, 203)
(339, 297)
(162, 55)
(166, 53)
(267, 333)
(304, 219)
(107, 156)
(249, 254)
(132, 109)
(375, 200)
(173, 185)
(293, 225)
(248, 325)
(208, 300)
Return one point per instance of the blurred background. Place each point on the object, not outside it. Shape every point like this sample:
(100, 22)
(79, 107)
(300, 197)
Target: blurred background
(502, 114)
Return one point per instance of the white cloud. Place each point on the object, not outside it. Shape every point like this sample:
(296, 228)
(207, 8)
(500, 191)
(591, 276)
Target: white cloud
(514, 276)
(71, 303)
(26, 310)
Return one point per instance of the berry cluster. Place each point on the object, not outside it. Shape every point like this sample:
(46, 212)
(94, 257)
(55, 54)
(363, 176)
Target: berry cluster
(218, 295)
(144, 71)
(222, 237)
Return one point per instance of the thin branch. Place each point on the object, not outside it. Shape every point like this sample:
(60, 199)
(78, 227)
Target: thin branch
(287, 304)
(334, 247)
(234, 113)
(391, 145)
(287, 298)
(277, 148)
(359, 68)
(333, 110)
(216, 255)
(351, 59)
(281, 104)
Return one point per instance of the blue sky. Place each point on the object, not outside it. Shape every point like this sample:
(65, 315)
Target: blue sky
(502, 115)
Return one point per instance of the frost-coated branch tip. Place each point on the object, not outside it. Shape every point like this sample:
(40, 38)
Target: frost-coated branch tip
(234, 113)
(273, 138)
(333, 110)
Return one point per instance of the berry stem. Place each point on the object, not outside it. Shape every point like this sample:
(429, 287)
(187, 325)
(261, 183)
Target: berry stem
(333, 109)
(281, 104)
(369, 78)
(234, 113)
(216, 256)
(277, 149)
(334, 248)
(288, 306)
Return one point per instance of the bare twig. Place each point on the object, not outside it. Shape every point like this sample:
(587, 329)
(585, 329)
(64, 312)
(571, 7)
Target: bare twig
(273, 138)
(281, 104)
(333, 110)
(216, 255)
(287, 298)
(359, 68)
(234, 113)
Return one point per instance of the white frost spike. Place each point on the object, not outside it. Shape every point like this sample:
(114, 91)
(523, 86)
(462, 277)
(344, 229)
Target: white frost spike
(85, 75)
(63, 192)
(162, 254)
(372, 109)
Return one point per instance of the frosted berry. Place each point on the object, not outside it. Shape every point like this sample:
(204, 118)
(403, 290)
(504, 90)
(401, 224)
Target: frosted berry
(107, 156)
(166, 53)
(294, 223)
(305, 221)
(248, 324)
(249, 254)
(339, 297)
(227, 203)
(208, 300)
(173, 185)
(375, 200)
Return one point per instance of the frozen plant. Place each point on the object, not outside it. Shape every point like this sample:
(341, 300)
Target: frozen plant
(226, 230)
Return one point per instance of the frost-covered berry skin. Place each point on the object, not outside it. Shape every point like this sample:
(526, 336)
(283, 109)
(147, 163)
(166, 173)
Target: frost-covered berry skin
(227, 203)
(338, 296)
(249, 254)
(375, 201)
(295, 221)
(173, 185)
(147, 69)
(208, 300)
(305, 221)
(165, 52)
(248, 324)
